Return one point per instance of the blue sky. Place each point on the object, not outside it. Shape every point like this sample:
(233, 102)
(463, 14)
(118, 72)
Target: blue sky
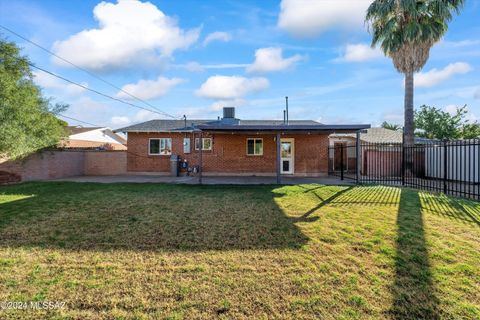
(193, 57)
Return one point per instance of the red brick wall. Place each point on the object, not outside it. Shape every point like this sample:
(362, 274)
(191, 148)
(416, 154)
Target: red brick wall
(105, 163)
(67, 163)
(46, 165)
(228, 155)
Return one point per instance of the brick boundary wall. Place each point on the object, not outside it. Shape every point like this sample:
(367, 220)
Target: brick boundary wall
(55, 164)
(105, 163)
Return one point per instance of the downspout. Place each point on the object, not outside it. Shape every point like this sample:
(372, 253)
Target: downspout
(279, 180)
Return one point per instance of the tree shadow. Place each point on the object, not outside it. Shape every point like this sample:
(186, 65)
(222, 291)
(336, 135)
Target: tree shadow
(150, 217)
(413, 289)
(324, 201)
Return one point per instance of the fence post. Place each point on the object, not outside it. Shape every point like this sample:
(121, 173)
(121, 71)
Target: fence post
(403, 164)
(357, 151)
(341, 161)
(445, 167)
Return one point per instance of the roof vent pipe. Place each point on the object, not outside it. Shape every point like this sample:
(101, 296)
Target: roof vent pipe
(286, 108)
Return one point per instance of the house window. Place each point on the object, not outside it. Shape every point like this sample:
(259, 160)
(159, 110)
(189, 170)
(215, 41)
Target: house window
(206, 142)
(162, 146)
(186, 145)
(254, 147)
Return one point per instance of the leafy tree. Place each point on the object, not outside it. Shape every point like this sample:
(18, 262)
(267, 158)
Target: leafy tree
(434, 123)
(470, 131)
(391, 126)
(406, 30)
(27, 119)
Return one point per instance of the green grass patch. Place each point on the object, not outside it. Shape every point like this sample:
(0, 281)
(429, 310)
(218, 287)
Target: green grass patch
(155, 251)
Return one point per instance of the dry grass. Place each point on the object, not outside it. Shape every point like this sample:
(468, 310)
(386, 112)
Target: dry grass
(141, 251)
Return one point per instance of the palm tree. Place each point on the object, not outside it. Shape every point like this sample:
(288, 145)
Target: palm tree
(406, 30)
(391, 126)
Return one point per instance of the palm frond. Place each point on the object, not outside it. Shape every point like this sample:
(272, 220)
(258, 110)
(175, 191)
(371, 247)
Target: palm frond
(407, 29)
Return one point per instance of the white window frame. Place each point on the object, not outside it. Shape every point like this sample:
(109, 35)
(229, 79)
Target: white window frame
(159, 146)
(254, 147)
(197, 142)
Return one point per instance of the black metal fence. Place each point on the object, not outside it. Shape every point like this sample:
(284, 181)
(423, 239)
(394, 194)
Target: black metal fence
(451, 167)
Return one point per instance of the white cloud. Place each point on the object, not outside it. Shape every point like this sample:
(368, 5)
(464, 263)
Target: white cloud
(460, 44)
(270, 60)
(225, 65)
(360, 52)
(451, 109)
(217, 36)
(48, 81)
(140, 116)
(128, 31)
(219, 105)
(476, 95)
(231, 87)
(191, 66)
(435, 76)
(144, 115)
(194, 66)
(309, 18)
(119, 120)
(149, 89)
(393, 116)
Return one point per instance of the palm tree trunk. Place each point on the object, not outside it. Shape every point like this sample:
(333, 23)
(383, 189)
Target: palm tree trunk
(409, 126)
(408, 129)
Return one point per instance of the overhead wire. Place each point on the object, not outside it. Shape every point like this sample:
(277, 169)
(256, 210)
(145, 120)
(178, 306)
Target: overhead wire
(89, 73)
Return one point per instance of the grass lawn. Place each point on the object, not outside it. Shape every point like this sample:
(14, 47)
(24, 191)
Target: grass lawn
(152, 251)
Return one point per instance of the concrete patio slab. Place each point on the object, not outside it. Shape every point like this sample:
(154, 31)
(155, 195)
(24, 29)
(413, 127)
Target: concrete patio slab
(225, 180)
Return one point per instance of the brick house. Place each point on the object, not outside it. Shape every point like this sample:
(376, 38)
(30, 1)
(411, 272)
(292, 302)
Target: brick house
(230, 146)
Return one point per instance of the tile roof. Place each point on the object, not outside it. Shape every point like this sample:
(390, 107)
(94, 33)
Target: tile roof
(382, 135)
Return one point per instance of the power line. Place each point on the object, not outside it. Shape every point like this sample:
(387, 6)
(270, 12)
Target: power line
(87, 71)
(90, 89)
(81, 121)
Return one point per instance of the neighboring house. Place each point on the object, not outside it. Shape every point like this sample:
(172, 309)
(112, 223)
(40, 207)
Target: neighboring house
(93, 138)
(230, 146)
(349, 141)
(378, 145)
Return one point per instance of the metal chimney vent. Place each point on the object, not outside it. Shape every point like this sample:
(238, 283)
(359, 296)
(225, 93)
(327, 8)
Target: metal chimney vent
(228, 113)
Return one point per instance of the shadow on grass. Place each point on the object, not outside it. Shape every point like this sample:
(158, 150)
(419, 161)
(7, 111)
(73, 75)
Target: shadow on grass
(413, 290)
(453, 208)
(324, 201)
(156, 217)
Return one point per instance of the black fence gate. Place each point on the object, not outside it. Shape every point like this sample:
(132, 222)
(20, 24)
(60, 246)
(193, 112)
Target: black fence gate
(451, 167)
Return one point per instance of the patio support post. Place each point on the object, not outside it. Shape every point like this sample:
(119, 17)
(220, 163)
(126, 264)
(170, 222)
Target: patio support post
(358, 157)
(342, 158)
(200, 168)
(278, 158)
